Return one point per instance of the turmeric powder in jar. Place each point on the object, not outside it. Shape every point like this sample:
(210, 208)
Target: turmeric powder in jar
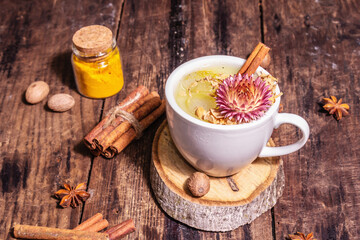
(96, 62)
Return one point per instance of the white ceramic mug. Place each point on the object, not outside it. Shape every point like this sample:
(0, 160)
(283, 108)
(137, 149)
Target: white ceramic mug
(222, 150)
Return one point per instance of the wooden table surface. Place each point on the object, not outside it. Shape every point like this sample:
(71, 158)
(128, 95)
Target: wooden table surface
(315, 54)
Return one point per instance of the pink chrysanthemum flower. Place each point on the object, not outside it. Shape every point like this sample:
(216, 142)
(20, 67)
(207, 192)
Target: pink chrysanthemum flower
(242, 99)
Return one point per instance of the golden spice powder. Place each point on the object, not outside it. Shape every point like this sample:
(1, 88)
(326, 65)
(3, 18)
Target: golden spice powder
(96, 62)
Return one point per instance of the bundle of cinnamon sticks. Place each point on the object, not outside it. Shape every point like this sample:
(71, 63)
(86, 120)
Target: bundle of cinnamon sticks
(118, 129)
(88, 230)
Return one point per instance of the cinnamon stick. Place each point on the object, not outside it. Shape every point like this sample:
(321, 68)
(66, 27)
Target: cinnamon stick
(250, 58)
(104, 134)
(129, 135)
(109, 152)
(98, 226)
(94, 224)
(36, 232)
(96, 151)
(254, 60)
(153, 102)
(133, 97)
(121, 230)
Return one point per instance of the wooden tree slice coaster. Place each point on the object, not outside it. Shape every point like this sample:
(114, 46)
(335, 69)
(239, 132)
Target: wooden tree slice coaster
(221, 209)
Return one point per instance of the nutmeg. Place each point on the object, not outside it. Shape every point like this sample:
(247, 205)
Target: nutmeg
(266, 61)
(198, 184)
(36, 92)
(61, 102)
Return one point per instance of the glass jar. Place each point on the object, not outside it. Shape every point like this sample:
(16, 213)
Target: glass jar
(96, 62)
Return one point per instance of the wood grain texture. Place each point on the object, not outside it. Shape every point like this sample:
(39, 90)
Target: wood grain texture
(154, 38)
(319, 58)
(315, 53)
(221, 209)
(41, 149)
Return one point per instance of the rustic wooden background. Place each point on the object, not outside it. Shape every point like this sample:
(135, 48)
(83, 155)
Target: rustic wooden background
(315, 51)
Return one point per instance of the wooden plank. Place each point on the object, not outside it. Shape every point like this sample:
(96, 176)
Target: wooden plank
(154, 38)
(319, 58)
(41, 149)
(122, 184)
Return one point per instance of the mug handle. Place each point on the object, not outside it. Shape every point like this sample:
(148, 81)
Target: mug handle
(295, 120)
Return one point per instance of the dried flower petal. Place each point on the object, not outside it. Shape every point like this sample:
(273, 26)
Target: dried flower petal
(200, 112)
(242, 99)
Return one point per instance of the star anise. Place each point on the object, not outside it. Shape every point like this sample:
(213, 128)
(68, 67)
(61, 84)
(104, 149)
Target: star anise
(301, 236)
(71, 196)
(336, 107)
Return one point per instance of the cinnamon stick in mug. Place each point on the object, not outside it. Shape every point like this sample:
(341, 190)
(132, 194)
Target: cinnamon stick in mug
(255, 59)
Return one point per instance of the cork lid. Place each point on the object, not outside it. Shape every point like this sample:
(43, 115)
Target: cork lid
(93, 39)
